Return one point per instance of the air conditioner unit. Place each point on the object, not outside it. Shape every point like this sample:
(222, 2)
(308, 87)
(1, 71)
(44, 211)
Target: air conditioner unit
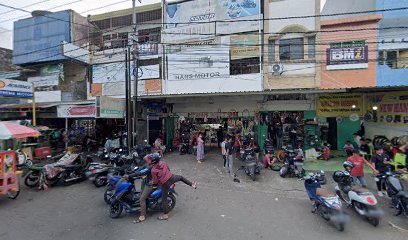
(277, 69)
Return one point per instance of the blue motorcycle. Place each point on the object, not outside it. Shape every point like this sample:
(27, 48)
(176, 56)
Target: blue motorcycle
(326, 203)
(126, 197)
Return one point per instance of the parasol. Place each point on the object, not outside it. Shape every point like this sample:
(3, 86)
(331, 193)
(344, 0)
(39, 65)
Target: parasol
(9, 130)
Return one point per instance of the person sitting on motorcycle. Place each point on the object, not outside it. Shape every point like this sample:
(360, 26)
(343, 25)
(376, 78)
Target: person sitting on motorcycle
(158, 146)
(162, 176)
(147, 190)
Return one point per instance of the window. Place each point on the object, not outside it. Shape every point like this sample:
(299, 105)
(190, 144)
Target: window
(311, 47)
(244, 66)
(381, 57)
(122, 21)
(271, 51)
(391, 59)
(291, 49)
(103, 24)
(149, 35)
(395, 59)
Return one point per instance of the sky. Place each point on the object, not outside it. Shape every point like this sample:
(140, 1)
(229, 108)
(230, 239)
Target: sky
(84, 7)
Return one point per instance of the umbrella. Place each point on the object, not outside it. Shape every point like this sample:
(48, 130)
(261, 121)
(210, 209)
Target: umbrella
(10, 130)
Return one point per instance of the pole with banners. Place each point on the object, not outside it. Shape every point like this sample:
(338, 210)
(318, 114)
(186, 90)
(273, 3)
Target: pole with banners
(34, 123)
(135, 70)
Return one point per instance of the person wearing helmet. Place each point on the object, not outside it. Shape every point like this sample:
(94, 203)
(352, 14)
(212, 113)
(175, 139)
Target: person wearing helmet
(357, 171)
(162, 176)
(147, 190)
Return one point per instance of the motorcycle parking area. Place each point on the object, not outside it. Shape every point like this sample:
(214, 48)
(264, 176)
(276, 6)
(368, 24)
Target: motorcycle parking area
(270, 207)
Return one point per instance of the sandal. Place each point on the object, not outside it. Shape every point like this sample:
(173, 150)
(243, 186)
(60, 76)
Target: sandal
(194, 185)
(139, 220)
(163, 218)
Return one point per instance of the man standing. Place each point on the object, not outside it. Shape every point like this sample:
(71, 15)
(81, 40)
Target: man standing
(224, 152)
(357, 173)
(381, 161)
(229, 147)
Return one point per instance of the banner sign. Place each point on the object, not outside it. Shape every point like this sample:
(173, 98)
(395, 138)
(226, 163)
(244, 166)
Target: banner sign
(339, 105)
(149, 72)
(76, 111)
(44, 81)
(391, 108)
(110, 107)
(17, 89)
(213, 115)
(244, 46)
(352, 55)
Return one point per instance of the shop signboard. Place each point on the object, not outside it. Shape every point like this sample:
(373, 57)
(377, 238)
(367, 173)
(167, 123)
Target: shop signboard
(109, 107)
(44, 81)
(244, 46)
(76, 111)
(351, 57)
(213, 114)
(339, 105)
(387, 108)
(14, 88)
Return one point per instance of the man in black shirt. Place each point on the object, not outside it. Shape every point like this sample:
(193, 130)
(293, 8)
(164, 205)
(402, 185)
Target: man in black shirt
(364, 146)
(380, 160)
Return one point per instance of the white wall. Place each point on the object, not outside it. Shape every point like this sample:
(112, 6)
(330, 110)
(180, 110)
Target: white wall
(286, 8)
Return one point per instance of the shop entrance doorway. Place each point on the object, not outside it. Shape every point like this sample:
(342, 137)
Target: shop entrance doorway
(332, 132)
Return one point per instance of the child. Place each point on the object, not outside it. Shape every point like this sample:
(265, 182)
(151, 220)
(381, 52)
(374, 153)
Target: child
(357, 173)
(348, 148)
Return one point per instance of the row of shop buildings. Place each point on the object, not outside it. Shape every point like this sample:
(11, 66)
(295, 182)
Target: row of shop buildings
(247, 64)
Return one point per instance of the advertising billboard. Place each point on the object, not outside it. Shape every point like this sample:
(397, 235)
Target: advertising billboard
(16, 89)
(352, 57)
(339, 105)
(201, 19)
(38, 39)
(108, 73)
(108, 107)
(76, 111)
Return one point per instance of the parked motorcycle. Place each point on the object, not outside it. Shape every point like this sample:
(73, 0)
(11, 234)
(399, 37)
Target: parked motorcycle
(395, 191)
(113, 178)
(37, 177)
(362, 200)
(250, 166)
(22, 159)
(184, 147)
(126, 198)
(268, 146)
(293, 163)
(326, 203)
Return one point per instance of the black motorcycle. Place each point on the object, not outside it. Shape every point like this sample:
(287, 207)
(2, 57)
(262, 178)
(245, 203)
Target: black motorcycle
(268, 146)
(293, 164)
(395, 191)
(250, 167)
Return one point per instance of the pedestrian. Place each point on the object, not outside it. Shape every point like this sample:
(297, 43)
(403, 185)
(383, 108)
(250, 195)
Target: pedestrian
(357, 173)
(380, 159)
(348, 148)
(253, 145)
(220, 136)
(224, 152)
(147, 189)
(200, 148)
(158, 146)
(279, 136)
(162, 176)
(237, 143)
(229, 147)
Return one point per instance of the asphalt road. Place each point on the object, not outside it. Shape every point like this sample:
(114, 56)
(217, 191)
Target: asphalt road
(270, 208)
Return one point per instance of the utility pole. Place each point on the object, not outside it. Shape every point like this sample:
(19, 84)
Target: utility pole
(127, 96)
(135, 54)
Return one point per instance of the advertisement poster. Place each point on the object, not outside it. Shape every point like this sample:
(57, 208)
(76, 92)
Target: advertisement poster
(387, 108)
(16, 89)
(110, 107)
(339, 105)
(244, 46)
(76, 111)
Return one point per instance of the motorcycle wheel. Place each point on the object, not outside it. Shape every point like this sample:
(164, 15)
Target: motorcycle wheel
(374, 221)
(171, 201)
(253, 177)
(14, 194)
(64, 181)
(283, 171)
(323, 181)
(100, 181)
(52, 181)
(107, 195)
(115, 210)
(32, 179)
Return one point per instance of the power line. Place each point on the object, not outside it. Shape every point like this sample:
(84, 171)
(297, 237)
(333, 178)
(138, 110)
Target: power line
(29, 5)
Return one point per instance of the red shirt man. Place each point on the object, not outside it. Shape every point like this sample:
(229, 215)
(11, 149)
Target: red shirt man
(358, 169)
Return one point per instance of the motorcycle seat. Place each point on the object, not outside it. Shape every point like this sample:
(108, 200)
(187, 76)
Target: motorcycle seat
(359, 189)
(72, 167)
(324, 193)
(402, 194)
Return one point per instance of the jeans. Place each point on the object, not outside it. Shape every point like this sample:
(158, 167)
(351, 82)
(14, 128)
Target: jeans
(145, 194)
(361, 179)
(166, 188)
(230, 162)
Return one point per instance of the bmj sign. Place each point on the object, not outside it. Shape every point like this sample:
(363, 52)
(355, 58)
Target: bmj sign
(16, 89)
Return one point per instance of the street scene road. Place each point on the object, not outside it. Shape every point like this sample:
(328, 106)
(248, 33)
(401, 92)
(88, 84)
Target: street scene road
(269, 208)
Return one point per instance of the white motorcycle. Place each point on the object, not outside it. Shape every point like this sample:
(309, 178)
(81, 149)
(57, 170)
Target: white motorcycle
(361, 199)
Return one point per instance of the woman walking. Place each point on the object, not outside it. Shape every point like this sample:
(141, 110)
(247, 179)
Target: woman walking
(200, 148)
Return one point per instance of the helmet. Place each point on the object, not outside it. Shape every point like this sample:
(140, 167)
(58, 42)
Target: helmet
(338, 176)
(348, 164)
(155, 157)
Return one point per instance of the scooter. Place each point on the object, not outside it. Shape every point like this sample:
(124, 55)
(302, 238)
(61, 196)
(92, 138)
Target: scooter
(250, 166)
(395, 191)
(362, 200)
(326, 203)
(293, 164)
(128, 199)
